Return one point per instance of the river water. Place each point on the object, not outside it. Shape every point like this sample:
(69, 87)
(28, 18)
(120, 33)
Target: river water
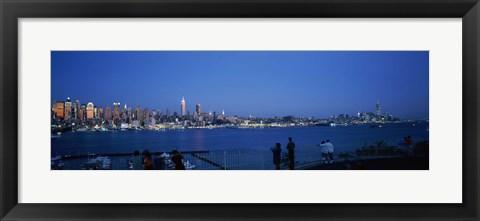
(344, 138)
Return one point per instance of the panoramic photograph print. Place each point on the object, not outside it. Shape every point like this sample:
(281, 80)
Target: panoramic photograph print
(239, 110)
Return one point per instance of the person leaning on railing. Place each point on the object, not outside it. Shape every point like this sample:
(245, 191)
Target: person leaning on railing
(330, 150)
(323, 150)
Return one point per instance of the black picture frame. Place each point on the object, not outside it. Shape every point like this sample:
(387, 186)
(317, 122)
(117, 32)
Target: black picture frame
(12, 10)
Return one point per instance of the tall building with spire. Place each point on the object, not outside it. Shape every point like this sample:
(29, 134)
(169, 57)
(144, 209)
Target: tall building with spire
(183, 107)
(68, 109)
(378, 109)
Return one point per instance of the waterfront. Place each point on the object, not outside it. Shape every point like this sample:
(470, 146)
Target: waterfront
(343, 137)
(259, 140)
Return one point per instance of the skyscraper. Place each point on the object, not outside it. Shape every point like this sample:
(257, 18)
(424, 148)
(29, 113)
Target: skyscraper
(68, 109)
(125, 112)
(81, 112)
(108, 113)
(129, 112)
(76, 106)
(183, 107)
(116, 110)
(378, 109)
(146, 114)
(90, 110)
(138, 113)
(100, 113)
(59, 110)
(198, 109)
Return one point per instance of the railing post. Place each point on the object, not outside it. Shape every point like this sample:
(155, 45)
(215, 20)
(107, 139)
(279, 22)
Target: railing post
(263, 161)
(224, 160)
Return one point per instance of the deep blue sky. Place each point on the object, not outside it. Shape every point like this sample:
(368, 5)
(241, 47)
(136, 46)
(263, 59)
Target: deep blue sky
(260, 83)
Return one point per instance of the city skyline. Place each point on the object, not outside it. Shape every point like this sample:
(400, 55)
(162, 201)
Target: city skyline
(262, 94)
(183, 111)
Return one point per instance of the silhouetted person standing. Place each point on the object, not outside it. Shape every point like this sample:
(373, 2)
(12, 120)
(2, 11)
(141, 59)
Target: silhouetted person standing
(277, 152)
(147, 162)
(410, 146)
(291, 153)
(177, 159)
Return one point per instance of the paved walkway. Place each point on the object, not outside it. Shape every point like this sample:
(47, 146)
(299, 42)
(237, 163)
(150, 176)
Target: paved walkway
(416, 163)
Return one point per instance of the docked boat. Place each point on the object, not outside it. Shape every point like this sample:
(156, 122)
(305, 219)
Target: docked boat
(98, 163)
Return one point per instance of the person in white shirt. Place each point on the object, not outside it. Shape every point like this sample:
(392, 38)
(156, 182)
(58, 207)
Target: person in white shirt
(323, 150)
(330, 150)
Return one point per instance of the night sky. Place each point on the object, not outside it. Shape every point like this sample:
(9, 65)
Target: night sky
(257, 83)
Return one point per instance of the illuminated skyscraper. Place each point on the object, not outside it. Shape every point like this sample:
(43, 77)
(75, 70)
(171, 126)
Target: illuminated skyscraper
(90, 111)
(81, 112)
(198, 110)
(125, 112)
(116, 110)
(68, 109)
(378, 109)
(167, 113)
(59, 110)
(183, 107)
(76, 106)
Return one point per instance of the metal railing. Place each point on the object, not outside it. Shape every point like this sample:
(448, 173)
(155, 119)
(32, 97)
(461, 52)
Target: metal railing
(229, 160)
(206, 160)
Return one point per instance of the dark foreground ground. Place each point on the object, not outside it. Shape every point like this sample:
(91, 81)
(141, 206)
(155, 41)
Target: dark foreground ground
(416, 163)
